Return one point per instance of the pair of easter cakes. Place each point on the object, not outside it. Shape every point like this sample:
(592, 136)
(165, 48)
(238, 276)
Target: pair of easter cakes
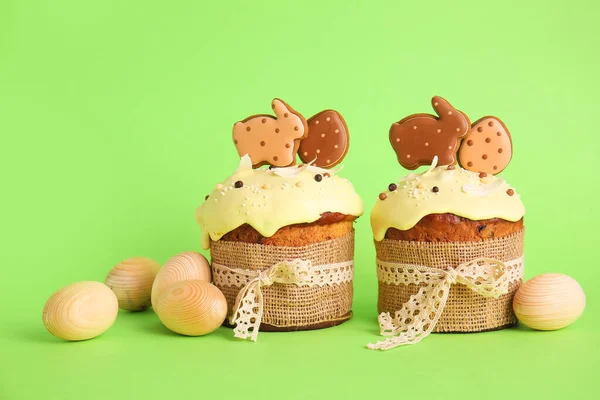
(449, 240)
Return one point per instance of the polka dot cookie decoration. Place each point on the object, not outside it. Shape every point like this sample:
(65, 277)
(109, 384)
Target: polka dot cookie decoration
(271, 140)
(418, 138)
(487, 147)
(328, 140)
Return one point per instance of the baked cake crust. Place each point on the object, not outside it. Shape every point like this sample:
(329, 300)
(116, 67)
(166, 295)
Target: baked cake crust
(452, 228)
(329, 226)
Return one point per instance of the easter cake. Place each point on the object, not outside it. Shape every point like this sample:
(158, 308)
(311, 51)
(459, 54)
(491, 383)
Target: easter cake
(449, 240)
(281, 235)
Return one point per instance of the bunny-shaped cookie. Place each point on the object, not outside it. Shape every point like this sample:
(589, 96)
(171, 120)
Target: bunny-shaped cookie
(271, 140)
(418, 138)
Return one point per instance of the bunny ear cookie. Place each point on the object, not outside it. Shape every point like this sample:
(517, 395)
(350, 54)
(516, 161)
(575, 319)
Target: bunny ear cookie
(418, 138)
(271, 140)
(328, 140)
(487, 147)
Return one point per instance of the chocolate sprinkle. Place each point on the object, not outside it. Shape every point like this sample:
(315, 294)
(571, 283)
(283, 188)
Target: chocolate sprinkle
(510, 192)
(238, 184)
(482, 174)
(392, 187)
(382, 196)
(435, 189)
(206, 197)
(318, 177)
(326, 175)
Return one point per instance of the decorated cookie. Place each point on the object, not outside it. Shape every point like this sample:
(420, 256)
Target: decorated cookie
(418, 138)
(328, 140)
(487, 147)
(271, 140)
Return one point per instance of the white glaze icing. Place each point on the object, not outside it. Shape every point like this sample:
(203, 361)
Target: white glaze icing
(272, 199)
(461, 192)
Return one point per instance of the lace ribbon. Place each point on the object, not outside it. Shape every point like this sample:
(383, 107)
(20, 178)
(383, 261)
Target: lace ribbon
(249, 305)
(418, 316)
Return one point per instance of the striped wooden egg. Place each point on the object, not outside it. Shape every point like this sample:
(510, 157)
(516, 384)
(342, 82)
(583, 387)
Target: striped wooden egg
(80, 311)
(191, 307)
(132, 280)
(549, 301)
(183, 266)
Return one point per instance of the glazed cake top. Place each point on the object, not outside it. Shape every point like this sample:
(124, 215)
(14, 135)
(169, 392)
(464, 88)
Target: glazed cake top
(269, 199)
(444, 189)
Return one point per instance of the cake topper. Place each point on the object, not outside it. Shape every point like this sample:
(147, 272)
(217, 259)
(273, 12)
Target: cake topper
(323, 141)
(418, 138)
(328, 140)
(271, 140)
(487, 147)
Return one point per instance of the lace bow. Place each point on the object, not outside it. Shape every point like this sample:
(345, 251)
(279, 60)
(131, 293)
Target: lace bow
(248, 311)
(418, 316)
(249, 304)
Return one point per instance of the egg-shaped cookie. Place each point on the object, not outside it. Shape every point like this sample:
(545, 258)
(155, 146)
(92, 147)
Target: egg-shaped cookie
(487, 147)
(328, 140)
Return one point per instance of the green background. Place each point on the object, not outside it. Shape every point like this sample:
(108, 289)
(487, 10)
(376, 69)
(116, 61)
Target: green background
(115, 121)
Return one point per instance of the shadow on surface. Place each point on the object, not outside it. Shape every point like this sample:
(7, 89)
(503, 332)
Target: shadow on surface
(40, 335)
(157, 328)
(364, 322)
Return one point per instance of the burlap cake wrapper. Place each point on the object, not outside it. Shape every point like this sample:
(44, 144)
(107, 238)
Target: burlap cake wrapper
(293, 306)
(465, 309)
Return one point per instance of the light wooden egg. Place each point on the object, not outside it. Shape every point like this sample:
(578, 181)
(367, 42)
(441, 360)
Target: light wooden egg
(132, 280)
(549, 301)
(80, 311)
(191, 308)
(184, 266)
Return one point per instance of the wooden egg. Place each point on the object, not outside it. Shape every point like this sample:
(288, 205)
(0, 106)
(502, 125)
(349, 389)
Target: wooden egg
(184, 266)
(191, 308)
(131, 280)
(80, 311)
(549, 301)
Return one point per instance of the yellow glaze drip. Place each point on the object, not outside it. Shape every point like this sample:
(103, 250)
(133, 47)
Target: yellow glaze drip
(268, 201)
(460, 192)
